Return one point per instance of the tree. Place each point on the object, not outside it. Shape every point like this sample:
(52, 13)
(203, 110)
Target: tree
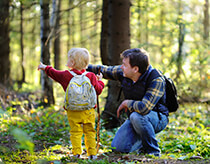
(104, 33)
(45, 54)
(206, 22)
(118, 40)
(21, 43)
(55, 30)
(180, 40)
(4, 42)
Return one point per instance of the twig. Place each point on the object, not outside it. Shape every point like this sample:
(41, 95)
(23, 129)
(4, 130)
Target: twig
(98, 122)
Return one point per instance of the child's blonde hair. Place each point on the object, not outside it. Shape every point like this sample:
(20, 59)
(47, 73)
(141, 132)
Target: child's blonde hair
(80, 56)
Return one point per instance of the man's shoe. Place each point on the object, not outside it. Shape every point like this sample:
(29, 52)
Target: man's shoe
(141, 152)
(92, 157)
(155, 154)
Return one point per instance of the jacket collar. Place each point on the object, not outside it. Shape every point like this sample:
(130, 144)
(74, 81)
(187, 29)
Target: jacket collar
(145, 74)
(77, 71)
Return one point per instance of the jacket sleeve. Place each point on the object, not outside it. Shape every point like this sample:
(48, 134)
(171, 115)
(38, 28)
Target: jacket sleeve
(62, 77)
(153, 94)
(109, 72)
(98, 85)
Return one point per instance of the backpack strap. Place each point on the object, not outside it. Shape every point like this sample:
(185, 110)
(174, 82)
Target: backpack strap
(74, 74)
(153, 75)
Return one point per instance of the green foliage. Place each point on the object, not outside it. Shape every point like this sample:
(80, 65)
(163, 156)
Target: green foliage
(42, 135)
(23, 139)
(188, 133)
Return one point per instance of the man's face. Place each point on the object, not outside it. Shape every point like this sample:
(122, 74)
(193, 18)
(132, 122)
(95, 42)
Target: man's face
(128, 71)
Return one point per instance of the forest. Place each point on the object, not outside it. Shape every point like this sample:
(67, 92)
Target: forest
(33, 124)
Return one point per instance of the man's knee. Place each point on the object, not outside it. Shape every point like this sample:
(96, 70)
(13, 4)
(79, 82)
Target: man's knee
(138, 121)
(120, 147)
(136, 117)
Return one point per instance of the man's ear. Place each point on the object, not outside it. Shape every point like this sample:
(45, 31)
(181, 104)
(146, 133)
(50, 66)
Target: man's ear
(136, 69)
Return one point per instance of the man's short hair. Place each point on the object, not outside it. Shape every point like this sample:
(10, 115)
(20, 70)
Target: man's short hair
(137, 57)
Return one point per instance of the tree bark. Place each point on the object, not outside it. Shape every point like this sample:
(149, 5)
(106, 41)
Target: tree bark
(139, 21)
(181, 41)
(4, 43)
(206, 22)
(82, 25)
(21, 43)
(104, 33)
(55, 27)
(118, 41)
(45, 54)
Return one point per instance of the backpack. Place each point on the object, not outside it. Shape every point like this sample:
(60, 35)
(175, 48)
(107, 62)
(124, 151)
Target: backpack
(80, 93)
(171, 93)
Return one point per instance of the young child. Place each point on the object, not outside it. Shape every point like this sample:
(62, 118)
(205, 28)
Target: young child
(80, 121)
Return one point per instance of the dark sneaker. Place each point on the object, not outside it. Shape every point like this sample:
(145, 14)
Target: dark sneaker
(155, 154)
(76, 156)
(92, 157)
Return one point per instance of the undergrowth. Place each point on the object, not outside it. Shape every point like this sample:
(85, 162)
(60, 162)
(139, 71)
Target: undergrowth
(41, 135)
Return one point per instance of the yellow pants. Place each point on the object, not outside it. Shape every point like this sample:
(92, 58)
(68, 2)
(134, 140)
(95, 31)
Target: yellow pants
(82, 122)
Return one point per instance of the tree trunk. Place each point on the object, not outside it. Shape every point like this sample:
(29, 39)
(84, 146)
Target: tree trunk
(118, 41)
(82, 25)
(55, 27)
(162, 20)
(206, 22)
(181, 41)
(45, 54)
(104, 33)
(4, 43)
(139, 21)
(21, 44)
(146, 26)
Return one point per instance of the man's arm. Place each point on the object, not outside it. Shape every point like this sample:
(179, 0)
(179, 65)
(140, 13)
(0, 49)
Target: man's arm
(109, 72)
(150, 99)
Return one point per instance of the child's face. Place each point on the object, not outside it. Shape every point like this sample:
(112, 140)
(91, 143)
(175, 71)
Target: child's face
(70, 63)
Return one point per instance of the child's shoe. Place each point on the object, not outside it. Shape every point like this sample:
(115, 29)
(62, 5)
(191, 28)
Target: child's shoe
(76, 156)
(92, 157)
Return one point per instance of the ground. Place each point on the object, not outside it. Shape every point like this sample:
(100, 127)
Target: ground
(38, 124)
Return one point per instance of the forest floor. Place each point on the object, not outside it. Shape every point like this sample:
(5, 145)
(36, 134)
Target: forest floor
(32, 133)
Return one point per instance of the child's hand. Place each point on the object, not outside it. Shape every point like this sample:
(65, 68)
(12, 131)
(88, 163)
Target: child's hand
(99, 77)
(41, 66)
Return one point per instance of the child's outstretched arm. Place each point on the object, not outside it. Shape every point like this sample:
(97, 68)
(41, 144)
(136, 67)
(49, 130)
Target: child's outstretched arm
(42, 66)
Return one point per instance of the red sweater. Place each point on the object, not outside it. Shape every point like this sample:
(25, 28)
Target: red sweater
(63, 77)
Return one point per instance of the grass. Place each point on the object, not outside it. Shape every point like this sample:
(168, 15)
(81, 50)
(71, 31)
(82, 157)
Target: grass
(41, 135)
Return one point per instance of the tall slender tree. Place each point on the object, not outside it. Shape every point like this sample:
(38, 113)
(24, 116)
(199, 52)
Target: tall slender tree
(82, 24)
(180, 40)
(104, 33)
(21, 43)
(118, 41)
(4, 42)
(206, 22)
(45, 54)
(55, 30)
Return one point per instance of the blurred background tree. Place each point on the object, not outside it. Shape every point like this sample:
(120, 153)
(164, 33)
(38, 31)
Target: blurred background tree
(175, 33)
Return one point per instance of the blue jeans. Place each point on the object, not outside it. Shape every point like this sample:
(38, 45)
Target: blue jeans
(138, 132)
